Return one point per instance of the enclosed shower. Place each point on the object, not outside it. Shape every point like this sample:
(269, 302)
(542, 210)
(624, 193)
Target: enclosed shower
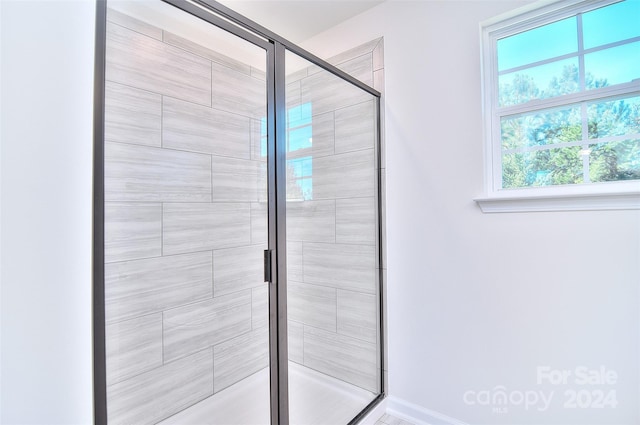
(237, 227)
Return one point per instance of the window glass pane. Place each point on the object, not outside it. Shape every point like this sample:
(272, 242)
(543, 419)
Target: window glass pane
(539, 82)
(542, 128)
(615, 161)
(612, 23)
(546, 42)
(542, 168)
(617, 65)
(614, 118)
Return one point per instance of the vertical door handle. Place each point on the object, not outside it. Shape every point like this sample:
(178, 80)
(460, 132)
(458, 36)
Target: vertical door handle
(267, 265)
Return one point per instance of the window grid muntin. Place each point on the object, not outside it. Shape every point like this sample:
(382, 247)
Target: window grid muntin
(581, 97)
(580, 54)
(584, 143)
(570, 55)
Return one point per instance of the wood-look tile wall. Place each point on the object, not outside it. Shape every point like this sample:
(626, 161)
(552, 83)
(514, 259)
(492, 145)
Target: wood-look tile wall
(333, 294)
(185, 220)
(186, 215)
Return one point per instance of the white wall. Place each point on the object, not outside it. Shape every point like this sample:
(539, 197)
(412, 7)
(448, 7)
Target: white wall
(47, 70)
(478, 300)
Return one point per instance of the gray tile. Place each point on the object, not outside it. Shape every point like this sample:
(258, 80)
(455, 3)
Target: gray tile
(315, 69)
(192, 127)
(355, 52)
(355, 127)
(295, 333)
(235, 269)
(360, 67)
(200, 227)
(357, 315)
(260, 306)
(384, 325)
(139, 287)
(378, 55)
(193, 327)
(311, 221)
(258, 140)
(312, 305)
(356, 220)
(236, 179)
(132, 231)
(327, 92)
(142, 173)
(238, 93)
(240, 357)
(378, 80)
(293, 100)
(347, 175)
(294, 261)
(342, 357)
(259, 74)
(199, 50)
(133, 346)
(133, 24)
(340, 266)
(296, 75)
(161, 392)
(323, 131)
(259, 222)
(263, 182)
(132, 115)
(383, 218)
(140, 61)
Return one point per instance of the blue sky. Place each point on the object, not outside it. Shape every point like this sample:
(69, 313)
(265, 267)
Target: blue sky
(616, 22)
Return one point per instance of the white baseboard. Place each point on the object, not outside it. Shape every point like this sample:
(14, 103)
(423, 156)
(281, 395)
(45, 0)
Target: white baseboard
(417, 414)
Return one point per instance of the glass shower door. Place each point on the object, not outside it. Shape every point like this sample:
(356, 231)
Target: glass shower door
(333, 285)
(185, 187)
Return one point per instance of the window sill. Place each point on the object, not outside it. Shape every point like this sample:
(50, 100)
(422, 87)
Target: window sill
(576, 202)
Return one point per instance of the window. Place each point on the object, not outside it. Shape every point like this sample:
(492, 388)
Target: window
(562, 100)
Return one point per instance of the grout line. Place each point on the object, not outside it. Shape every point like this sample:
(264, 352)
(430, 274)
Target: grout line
(138, 88)
(162, 335)
(336, 290)
(162, 121)
(213, 371)
(335, 221)
(121, 25)
(211, 176)
(211, 84)
(162, 229)
(213, 283)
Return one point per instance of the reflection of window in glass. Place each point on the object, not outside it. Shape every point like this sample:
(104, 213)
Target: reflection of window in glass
(565, 105)
(299, 157)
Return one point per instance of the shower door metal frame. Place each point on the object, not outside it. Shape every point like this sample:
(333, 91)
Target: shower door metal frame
(275, 47)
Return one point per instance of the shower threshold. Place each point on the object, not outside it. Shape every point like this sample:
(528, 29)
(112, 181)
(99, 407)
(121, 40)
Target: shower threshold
(314, 399)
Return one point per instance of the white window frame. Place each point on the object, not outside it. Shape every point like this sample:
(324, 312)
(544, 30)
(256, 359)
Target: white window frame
(586, 196)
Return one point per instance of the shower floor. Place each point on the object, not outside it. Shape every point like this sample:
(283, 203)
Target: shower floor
(314, 399)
